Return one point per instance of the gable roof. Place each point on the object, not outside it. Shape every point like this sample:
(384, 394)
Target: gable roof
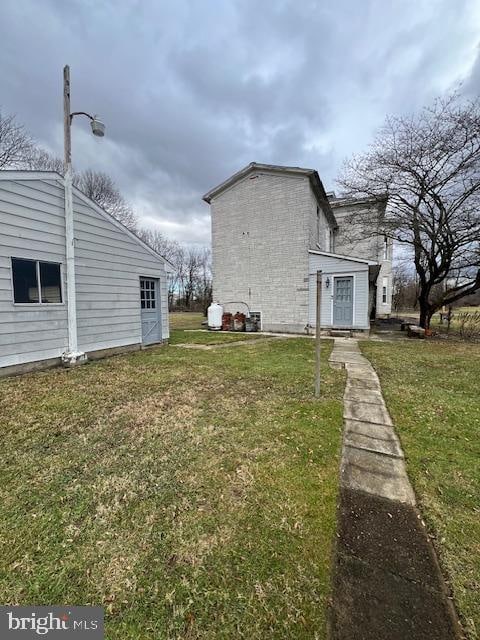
(8, 174)
(315, 183)
(342, 257)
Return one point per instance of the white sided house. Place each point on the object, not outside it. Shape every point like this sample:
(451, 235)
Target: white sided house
(119, 285)
(273, 228)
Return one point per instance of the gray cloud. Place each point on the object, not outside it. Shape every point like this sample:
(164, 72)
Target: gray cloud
(192, 91)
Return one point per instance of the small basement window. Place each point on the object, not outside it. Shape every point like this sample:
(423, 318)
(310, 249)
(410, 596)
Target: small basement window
(256, 316)
(36, 282)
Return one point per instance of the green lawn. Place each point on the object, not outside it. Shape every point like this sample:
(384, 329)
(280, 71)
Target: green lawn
(433, 392)
(186, 320)
(191, 493)
(182, 331)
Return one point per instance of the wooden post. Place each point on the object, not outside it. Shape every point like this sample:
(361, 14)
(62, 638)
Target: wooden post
(317, 334)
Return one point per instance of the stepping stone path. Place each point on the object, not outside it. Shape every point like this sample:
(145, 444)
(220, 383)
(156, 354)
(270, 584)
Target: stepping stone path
(387, 582)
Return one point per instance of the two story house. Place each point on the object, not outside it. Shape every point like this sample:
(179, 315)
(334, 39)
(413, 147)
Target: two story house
(273, 228)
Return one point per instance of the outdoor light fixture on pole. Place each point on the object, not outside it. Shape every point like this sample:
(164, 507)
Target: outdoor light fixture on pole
(73, 355)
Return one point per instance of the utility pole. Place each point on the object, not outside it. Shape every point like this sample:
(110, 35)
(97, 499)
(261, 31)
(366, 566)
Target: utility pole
(317, 334)
(73, 355)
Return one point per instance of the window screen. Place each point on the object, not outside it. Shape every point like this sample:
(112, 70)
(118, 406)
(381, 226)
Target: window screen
(32, 276)
(25, 285)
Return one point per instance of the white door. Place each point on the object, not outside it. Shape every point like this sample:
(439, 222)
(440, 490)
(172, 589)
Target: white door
(150, 310)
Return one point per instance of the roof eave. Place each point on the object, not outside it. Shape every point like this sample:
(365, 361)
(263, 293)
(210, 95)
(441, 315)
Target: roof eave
(312, 174)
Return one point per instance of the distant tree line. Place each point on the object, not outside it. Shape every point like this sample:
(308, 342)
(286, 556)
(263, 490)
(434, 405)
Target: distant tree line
(190, 279)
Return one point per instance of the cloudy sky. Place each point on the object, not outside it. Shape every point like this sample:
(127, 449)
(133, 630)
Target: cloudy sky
(192, 90)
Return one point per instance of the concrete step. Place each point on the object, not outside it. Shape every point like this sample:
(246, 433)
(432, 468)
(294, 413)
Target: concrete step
(340, 333)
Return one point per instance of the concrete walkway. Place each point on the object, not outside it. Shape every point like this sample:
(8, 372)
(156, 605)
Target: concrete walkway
(387, 581)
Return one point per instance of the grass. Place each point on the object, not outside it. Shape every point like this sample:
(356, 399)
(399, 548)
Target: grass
(182, 327)
(190, 493)
(432, 391)
(186, 320)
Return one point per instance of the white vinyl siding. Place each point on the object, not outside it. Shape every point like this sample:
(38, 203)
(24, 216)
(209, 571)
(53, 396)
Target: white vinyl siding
(108, 263)
(31, 227)
(332, 266)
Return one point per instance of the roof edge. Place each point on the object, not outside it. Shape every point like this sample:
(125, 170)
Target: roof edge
(311, 174)
(343, 257)
(356, 200)
(18, 174)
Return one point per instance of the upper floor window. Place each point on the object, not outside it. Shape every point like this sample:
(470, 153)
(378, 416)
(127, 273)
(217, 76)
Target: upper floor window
(318, 224)
(385, 248)
(384, 290)
(36, 282)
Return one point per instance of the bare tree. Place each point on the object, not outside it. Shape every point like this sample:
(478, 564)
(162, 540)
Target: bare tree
(405, 290)
(16, 145)
(172, 251)
(42, 160)
(204, 279)
(192, 267)
(102, 189)
(160, 243)
(428, 166)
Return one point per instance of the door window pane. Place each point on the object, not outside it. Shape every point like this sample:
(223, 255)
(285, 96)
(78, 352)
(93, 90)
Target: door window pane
(25, 286)
(50, 284)
(147, 294)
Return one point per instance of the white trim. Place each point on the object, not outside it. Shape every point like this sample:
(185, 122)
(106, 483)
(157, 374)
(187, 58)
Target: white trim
(34, 305)
(342, 257)
(70, 260)
(13, 174)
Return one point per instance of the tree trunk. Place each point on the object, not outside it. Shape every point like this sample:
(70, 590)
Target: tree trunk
(426, 310)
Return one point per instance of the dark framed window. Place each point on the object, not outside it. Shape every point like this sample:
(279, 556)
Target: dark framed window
(36, 282)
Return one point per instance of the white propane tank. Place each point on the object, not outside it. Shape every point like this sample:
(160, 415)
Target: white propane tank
(214, 316)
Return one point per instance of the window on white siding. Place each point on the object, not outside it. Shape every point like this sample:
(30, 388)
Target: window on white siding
(318, 224)
(385, 290)
(36, 282)
(385, 248)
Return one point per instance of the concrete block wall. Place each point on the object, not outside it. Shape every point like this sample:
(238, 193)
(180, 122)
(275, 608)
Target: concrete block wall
(262, 227)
